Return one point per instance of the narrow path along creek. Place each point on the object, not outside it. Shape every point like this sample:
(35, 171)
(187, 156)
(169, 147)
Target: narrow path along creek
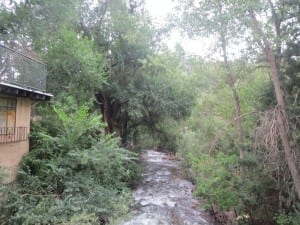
(163, 197)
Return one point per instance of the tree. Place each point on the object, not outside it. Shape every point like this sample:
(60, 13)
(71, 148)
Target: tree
(48, 30)
(210, 18)
(32, 25)
(135, 94)
(74, 67)
(272, 49)
(228, 18)
(270, 30)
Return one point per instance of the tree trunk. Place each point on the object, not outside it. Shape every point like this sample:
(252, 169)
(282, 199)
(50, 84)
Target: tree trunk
(236, 99)
(283, 130)
(106, 115)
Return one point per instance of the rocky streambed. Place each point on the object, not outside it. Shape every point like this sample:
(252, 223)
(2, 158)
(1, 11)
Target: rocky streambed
(163, 197)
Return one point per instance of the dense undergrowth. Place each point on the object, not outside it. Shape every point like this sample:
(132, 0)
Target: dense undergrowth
(257, 188)
(74, 174)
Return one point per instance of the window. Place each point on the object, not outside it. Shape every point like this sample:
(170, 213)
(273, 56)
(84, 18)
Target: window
(7, 115)
(8, 130)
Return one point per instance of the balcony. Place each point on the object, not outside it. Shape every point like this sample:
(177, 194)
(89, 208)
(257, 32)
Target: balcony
(13, 134)
(21, 75)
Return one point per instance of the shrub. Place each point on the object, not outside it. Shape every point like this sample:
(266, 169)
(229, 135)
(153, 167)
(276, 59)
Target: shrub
(214, 178)
(78, 176)
(287, 218)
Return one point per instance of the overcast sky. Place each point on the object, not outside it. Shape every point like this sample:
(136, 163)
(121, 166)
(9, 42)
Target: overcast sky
(159, 10)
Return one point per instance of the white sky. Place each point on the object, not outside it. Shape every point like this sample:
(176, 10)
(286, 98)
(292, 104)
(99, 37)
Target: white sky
(159, 10)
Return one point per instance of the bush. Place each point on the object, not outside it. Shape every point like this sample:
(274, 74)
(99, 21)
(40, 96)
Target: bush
(215, 178)
(78, 176)
(287, 218)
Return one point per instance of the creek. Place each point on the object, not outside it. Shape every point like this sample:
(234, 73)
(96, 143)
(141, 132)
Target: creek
(163, 197)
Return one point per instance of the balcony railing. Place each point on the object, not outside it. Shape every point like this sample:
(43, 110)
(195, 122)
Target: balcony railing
(19, 69)
(13, 134)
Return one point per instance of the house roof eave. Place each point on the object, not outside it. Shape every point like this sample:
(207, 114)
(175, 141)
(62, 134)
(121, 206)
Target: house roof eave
(20, 91)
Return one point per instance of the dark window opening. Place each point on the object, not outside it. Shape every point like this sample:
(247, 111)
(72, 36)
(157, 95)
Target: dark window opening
(8, 130)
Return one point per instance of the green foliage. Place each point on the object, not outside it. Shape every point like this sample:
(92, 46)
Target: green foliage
(107, 51)
(215, 178)
(210, 148)
(164, 98)
(75, 125)
(37, 22)
(74, 67)
(287, 218)
(77, 176)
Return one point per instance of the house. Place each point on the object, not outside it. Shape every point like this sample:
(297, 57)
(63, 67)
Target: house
(22, 82)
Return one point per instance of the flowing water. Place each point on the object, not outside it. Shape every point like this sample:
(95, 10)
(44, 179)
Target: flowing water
(163, 197)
